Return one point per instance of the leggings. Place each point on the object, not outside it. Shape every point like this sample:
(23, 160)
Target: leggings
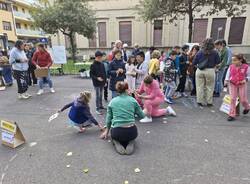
(124, 135)
(22, 80)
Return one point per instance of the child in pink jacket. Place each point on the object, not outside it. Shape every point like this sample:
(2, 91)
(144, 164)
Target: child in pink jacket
(237, 76)
(153, 98)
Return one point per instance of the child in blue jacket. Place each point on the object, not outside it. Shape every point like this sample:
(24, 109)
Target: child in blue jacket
(79, 114)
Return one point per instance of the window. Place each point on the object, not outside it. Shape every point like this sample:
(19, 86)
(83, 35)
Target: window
(218, 28)
(92, 41)
(25, 26)
(3, 6)
(15, 8)
(7, 26)
(158, 32)
(23, 10)
(125, 32)
(32, 27)
(200, 30)
(236, 30)
(102, 34)
(18, 25)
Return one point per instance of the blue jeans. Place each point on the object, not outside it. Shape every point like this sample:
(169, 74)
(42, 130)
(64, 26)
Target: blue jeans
(98, 100)
(44, 80)
(218, 81)
(170, 89)
(114, 94)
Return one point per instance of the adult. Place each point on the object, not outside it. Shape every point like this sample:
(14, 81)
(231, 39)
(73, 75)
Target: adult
(29, 51)
(20, 66)
(206, 60)
(153, 98)
(117, 71)
(120, 120)
(42, 60)
(229, 60)
(117, 46)
(220, 68)
(141, 69)
(192, 69)
(177, 49)
(5, 69)
(148, 55)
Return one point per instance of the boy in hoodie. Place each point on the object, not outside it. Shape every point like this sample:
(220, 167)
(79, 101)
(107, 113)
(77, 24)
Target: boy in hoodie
(98, 75)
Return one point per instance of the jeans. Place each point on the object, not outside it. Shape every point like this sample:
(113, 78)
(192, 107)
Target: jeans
(22, 80)
(114, 94)
(219, 82)
(170, 89)
(98, 100)
(182, 84)
(106, 91)
(44, 80)
(7, 75)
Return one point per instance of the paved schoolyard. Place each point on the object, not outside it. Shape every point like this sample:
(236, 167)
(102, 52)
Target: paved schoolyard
(198, 146)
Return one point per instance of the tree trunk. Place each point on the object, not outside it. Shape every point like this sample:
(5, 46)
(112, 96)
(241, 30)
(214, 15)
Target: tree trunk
(73, 47)
(191, 20)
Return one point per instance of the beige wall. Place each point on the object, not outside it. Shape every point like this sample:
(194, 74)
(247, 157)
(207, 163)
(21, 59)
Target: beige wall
(113, 11)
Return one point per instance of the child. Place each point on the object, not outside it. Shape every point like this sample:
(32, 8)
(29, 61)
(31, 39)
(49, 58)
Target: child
(98, 75)
(237, 76)
(79, 114)
(106, 65)
(183, 72)
(154, 64)
(168, 70)
(130, 72)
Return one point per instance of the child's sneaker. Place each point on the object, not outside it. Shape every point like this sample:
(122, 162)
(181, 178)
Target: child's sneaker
(40, 92)
(22, 96)
(246, 111)
(169, 100)
(171, 111)
(184, 94)
(146, 120)
(98, 112)
(230, 118)
(52, 90)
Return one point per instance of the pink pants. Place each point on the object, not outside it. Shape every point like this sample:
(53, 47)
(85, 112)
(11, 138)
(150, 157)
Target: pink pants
(241, 92)
(152, 107)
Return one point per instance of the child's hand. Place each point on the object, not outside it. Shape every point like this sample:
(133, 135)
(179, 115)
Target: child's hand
(59, 111)
(101, 127)
(243, 82)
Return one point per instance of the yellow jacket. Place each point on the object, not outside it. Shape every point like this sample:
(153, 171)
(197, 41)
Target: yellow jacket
(154, 66)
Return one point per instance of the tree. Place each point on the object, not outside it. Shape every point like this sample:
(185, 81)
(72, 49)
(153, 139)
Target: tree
(174, 9)
(67, 16)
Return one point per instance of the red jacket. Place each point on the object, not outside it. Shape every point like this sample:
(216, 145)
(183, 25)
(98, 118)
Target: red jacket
(42, 59)
(238, 74)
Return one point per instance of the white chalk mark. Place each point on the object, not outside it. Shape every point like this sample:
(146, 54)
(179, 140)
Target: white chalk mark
(13, 158)
(245, 179)
(148, 132)
(206, 140)
(165, 122)
(213, 111)
(6, 168)
(3, 175)
(33, 144)
(165, 118)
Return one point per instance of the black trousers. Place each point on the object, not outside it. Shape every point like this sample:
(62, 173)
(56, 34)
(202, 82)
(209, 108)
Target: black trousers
(106, 89)
(22, 80)
(124, 135)
(31, 75)
(182, 84)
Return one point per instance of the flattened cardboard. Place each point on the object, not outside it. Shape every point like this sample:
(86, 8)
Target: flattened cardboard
(42, 72)
(11, 134)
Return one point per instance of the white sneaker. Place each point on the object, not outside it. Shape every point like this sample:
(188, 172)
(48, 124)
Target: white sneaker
(184, 94)
(171, 111)
(22, 96)
(40, 92)
(146, 120)
(28, 95)
(52, 90)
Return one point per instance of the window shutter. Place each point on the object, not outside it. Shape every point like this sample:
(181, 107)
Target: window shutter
(92, 41)
(218, 28)
(102, 34)
(236, 30)
(158, 32)
(200, 30)
(125, 32)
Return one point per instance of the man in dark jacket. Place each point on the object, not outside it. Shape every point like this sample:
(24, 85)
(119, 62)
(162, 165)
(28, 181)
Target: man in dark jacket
(98, 75)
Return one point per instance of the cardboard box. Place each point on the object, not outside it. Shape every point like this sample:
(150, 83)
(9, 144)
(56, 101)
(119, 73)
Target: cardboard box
(42, 72)
(11, 134)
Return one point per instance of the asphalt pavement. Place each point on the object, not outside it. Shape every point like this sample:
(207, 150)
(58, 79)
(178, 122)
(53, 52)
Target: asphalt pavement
(199, 146)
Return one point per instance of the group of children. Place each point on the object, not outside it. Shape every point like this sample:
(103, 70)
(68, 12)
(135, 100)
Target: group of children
(166, 71)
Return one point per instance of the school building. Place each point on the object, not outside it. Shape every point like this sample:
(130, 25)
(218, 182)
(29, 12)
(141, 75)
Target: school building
(118, 19)
(16, 22)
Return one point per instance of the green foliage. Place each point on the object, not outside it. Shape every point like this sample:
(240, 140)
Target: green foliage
(69, 17)
(175, 9)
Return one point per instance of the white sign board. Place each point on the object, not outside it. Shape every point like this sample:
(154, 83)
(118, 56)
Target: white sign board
(8, 137)
(58, 54)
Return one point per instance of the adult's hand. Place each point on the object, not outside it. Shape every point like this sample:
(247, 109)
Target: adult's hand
(38, 67)
(100, 79)
(104, 135)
